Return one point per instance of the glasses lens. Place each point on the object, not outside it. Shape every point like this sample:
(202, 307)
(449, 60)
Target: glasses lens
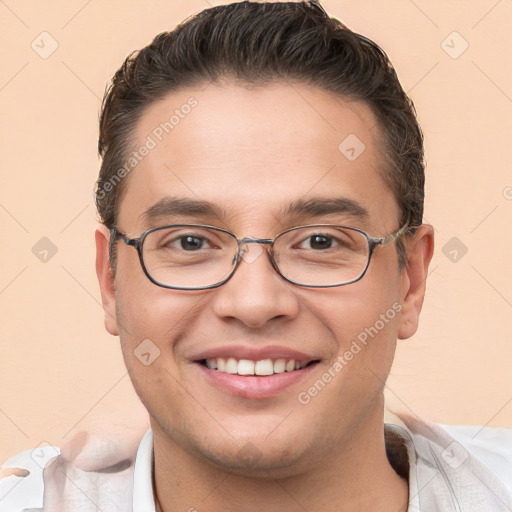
(322, 255)
(188, 256)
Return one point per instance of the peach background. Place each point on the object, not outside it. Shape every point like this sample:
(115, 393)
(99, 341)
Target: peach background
(61, 372)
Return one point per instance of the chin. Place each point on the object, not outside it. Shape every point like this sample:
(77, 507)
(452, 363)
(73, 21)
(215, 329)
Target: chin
(257, 460)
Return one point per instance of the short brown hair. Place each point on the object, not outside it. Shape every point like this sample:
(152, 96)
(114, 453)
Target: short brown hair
(256, 43)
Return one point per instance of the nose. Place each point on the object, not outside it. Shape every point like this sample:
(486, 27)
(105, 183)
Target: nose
(256, 294)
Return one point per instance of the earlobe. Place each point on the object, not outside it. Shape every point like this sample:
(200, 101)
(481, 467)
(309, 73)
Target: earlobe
(420, 249)
(106, 279)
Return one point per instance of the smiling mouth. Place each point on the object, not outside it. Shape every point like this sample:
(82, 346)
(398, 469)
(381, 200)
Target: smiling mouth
(263, 367)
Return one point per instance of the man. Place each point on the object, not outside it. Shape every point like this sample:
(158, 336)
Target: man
(260, 253)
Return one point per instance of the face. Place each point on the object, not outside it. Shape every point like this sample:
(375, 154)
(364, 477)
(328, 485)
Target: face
(251, 154)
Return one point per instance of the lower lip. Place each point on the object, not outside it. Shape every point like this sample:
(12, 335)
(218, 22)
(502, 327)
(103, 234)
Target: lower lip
(252, 386)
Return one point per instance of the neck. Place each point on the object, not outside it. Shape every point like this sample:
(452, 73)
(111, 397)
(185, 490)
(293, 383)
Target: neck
(355, 477)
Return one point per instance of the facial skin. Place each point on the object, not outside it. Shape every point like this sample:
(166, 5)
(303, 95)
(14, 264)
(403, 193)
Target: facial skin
(251, 152)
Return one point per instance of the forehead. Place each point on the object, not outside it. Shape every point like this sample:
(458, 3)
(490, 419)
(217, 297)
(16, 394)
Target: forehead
(250, 151)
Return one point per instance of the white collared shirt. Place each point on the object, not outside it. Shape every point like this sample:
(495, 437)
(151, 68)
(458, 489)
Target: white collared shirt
(451, 468)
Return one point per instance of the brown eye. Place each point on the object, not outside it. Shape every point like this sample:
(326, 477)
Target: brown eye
(320, 242)
(190, 243)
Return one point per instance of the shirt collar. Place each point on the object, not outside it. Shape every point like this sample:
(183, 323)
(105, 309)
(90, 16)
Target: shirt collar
(402, 432)
(143, 499)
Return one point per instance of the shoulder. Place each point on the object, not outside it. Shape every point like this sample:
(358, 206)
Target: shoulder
(468, 465)
(85, 469)
(492, 446)
(21, 479)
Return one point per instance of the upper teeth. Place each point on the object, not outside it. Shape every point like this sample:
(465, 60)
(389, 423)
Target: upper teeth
(248, 367)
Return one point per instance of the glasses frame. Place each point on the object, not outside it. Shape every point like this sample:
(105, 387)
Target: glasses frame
(138, 243)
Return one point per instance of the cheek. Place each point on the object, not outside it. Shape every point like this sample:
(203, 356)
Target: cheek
(363, 325)
(156, 315)
(363, 320)
(362, 310)
(152, 321)
(151, 315)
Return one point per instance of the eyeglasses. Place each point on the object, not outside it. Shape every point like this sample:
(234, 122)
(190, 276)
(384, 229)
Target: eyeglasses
(200, 257)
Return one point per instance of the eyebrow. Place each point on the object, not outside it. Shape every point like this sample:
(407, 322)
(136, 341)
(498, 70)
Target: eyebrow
(168, 206)
(315, 207)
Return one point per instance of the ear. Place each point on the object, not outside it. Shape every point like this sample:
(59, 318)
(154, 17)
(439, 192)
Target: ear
(106, 279)
(419, 253)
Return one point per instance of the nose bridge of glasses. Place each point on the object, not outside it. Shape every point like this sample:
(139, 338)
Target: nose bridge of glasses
(253, 240)
(243, 251)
